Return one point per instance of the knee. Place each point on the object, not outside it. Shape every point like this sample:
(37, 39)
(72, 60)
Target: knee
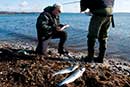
(64, 34)
(103, 43)
(91, 38)
(102, 40)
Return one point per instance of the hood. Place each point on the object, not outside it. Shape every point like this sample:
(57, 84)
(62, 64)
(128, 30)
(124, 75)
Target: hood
(49, 9)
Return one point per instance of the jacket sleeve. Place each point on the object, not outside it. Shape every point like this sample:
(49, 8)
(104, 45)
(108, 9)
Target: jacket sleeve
(45, 24)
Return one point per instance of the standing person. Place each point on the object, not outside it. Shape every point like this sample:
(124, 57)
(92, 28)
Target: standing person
(101, 11)
(49, 27)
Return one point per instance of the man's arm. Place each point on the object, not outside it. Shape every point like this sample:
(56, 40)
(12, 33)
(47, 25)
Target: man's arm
(45, 24)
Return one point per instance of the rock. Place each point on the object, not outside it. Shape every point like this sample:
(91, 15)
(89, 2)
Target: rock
(37, 72)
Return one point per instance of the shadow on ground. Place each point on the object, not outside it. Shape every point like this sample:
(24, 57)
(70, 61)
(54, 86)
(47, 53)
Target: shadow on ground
(9, 54)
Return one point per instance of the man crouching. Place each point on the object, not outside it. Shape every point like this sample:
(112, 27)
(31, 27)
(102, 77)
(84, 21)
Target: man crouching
(49, 27)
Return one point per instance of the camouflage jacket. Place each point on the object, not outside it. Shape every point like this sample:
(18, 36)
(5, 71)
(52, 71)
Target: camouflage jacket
(46, 23)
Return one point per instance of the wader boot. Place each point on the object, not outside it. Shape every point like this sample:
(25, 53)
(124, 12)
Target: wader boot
(62, 35)
(90, 43)
(102, 49)
(61, 49)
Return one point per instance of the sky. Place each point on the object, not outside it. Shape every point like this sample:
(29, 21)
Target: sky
(39, 5)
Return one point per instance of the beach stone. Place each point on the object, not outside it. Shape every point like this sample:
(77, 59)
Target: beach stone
(38, 72)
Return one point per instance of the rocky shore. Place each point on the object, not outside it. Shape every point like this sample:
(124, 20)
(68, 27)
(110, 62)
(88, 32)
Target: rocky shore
(21, 67)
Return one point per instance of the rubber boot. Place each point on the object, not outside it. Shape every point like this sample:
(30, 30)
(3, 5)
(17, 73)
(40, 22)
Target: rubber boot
(63, 37)
(102, 49)
(62, 51)
(90, 43)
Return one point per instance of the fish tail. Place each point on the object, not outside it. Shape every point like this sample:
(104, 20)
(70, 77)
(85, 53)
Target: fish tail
(57, 85)
(60, 84)
(53, 75)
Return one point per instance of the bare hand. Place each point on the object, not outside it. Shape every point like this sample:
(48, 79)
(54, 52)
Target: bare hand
(58, 28)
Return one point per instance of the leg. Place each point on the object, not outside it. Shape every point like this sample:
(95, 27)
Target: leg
(103, 40)
(63, 37)
(94, 27)
(91, 43)
(102, 49)
(42, 46)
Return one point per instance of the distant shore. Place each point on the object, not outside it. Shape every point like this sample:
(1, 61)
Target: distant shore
(8, 12)
(13, 12)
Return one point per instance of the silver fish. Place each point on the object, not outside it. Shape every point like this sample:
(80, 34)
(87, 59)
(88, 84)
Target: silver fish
(22, 52)
(78, 73)
(67, 70)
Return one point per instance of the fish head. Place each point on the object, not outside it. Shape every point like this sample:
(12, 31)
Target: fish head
(83, 69)
(75, 67)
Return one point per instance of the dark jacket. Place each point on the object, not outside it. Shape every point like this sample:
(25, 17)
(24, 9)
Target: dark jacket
(95, 4)
(46, 23)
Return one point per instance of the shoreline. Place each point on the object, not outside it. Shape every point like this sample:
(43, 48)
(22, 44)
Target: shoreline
(32, 46)
(29, 69)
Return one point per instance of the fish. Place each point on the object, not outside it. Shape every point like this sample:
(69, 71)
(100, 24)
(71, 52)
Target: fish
(67, 70)
(64, 27)
(75, 75)
(24, 52)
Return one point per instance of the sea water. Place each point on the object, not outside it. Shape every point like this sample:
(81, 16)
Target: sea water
(15, 27)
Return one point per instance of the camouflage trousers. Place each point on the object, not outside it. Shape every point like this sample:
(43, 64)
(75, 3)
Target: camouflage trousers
(98, 27)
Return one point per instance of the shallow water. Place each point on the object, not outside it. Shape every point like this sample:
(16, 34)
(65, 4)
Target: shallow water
(14, 27)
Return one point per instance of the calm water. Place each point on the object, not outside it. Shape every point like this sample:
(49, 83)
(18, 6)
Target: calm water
(15, 27)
